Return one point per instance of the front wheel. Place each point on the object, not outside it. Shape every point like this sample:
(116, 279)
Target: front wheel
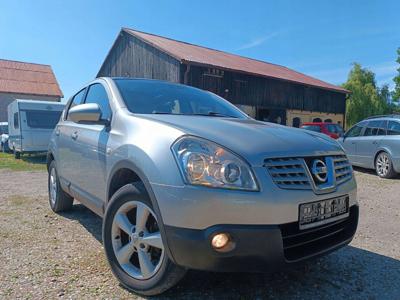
(133, 243)
(384, 166)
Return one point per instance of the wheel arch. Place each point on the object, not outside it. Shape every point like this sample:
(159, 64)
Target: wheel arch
(128, 166)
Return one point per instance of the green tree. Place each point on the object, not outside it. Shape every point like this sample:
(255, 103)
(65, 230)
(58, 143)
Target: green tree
(396, 92)
(366, 99)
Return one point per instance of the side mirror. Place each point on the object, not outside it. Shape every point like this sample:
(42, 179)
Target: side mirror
(89, 112)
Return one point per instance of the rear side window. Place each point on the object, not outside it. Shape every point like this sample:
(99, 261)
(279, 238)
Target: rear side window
(97, 94)
(16, 121)
(312, 128)
(78, 99)
(375, 128)
(393, 128)
(334, 128)
(42, 119)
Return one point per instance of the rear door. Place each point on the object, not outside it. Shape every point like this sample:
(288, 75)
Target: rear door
(369, 142)
(350, 141)
(68, 158)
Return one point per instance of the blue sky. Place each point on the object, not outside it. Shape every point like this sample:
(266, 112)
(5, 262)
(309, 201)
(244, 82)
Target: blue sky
(318, 38)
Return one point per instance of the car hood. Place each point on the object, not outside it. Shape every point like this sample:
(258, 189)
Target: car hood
(253, 140)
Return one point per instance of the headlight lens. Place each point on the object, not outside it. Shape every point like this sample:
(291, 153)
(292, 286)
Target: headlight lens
(203, 162)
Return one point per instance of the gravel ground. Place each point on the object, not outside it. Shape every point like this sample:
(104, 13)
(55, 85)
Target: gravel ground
(44, 255)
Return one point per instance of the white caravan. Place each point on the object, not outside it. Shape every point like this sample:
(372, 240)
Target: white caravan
(30, 124)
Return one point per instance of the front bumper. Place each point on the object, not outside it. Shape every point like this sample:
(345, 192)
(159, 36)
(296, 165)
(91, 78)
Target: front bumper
(258, 248)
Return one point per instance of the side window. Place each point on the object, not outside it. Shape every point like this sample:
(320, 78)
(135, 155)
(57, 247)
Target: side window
(375, 128)
(78, 99)
(393, 128)
(354, 131)
(97, 94)
(16, 121)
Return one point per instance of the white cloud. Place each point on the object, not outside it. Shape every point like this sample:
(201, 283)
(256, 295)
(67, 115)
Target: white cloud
(258, 41)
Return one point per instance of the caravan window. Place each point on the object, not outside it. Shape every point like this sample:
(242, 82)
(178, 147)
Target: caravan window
(16, 122)
(42, 119)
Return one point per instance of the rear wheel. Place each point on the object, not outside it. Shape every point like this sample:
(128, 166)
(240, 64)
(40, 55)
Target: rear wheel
(384, 166)
(58, 199)
(17, 154)
(133, 243)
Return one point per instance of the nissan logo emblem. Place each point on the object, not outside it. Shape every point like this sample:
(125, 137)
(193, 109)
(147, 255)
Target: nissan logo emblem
(319, 170)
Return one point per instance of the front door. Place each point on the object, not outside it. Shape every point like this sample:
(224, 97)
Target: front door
(350, 141)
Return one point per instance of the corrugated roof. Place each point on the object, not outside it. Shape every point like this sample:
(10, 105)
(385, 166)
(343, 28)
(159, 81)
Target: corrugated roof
(28, 78)
(189, 53)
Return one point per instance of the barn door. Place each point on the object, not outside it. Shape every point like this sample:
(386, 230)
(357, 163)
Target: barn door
(212, 84)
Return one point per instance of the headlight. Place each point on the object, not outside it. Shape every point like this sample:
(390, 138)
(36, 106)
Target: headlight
(203, 162)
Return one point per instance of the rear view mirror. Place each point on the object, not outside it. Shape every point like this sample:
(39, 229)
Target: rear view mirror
(89, 112)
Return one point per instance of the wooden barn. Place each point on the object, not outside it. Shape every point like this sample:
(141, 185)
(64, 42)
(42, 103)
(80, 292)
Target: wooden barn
(263, 90)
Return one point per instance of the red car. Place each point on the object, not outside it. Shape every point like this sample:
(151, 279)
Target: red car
(333, 130)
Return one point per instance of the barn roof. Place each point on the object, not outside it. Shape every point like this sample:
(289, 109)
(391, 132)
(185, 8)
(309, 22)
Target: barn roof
(194, 54)
(28, 78)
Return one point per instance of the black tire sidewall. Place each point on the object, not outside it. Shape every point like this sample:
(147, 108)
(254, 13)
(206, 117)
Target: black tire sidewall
(127, 193)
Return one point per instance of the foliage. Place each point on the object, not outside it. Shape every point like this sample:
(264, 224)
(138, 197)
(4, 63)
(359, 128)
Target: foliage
(366, 98)
(396, 79)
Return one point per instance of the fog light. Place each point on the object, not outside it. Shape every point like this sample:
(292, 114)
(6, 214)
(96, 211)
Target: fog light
(220, 240)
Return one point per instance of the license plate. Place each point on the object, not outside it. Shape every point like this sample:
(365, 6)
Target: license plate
(317, 213)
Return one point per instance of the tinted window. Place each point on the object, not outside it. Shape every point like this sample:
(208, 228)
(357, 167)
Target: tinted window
(393, 128)
(78, 99)
(354, 131)
(3, 129)
(375, 128)
(334, 128)
(42, 119)
(97, 94)
(312, 128)
(152, 97)
(16, 121)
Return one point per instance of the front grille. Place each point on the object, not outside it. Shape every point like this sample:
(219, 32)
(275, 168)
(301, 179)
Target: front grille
(288, 173)
(291, 173)
(343, 169)
(301, 244)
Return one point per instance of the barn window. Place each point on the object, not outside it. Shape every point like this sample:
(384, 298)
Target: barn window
(328, 121)
(317, 120)
(296, 122)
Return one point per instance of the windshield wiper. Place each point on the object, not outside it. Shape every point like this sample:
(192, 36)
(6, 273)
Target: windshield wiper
(215, 114)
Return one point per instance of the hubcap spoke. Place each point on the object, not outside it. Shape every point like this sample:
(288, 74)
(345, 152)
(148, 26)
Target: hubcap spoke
(124, 254)
(154, 240)
(142, 213)
(123, 223)
(146, 266)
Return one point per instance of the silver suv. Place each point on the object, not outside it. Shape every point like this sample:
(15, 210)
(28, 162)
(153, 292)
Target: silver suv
(185, 180)
(375, 144)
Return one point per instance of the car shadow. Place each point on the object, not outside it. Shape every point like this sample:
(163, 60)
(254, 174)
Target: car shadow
(371, 172)
(34, 159)
(350, 273)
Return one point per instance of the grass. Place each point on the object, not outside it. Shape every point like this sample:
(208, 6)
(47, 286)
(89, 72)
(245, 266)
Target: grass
(26, 163)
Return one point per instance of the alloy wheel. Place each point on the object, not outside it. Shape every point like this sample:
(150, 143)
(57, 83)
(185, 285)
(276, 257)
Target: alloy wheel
(382, 164)
(136, 240)
(53, 186)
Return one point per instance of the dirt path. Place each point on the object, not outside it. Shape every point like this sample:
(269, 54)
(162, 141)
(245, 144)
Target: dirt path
(44, 255)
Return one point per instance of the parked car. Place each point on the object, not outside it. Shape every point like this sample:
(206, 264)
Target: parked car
(375, 144)
(331, 129)
(185, 180)
(31, 123)
(4, 137)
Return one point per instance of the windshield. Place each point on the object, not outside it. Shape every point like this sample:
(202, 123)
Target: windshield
(42, 119)
(155, 97)
(3, 129)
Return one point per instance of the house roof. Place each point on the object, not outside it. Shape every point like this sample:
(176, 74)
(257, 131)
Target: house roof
(28, 78)
(189, 53)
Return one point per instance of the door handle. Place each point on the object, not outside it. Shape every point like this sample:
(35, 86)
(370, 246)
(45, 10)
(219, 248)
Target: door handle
(353, 143)
(74, 136)
(374, 142)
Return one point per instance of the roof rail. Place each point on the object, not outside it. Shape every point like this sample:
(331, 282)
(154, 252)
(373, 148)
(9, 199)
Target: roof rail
(384, 116)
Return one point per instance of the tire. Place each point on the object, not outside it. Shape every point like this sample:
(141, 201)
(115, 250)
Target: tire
(58, 199)
(158, 276)
(17, 155)
(384, 166)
